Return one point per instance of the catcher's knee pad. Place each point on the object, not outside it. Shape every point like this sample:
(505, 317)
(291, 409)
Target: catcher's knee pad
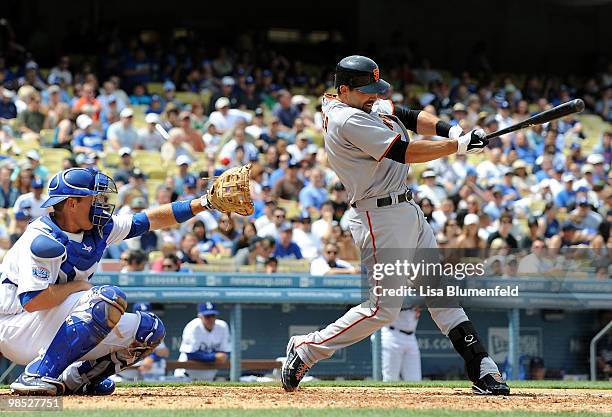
(467, 343)
(92, 319)
(107, 304)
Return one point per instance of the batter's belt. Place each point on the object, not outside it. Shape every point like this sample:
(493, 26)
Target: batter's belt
(375, 202)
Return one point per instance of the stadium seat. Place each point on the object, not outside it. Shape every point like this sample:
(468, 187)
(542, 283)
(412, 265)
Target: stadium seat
(187, 97)
(155, 88)
(46, 137)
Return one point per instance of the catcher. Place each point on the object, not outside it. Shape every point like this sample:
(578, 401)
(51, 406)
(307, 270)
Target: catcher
(72, 336)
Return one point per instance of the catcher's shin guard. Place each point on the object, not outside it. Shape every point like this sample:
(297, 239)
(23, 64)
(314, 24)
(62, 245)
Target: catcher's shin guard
(90, 376)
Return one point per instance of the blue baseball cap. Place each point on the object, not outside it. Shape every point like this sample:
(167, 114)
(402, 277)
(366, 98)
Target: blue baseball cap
(207, 309)
(37, 183)
(142, 307)
(22, 215)
(471, 172)
(190, 181)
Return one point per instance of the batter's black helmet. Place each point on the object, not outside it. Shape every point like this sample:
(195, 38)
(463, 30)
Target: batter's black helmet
(362, 73)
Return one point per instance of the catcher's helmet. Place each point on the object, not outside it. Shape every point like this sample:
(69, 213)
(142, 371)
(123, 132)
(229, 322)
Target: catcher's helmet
(362, 73)
(83, 182)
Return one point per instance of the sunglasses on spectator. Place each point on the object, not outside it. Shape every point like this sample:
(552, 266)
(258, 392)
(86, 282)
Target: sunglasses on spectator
(168, 266)
(280, 216)
(331, 252)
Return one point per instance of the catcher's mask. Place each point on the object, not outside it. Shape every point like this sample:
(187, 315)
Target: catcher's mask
(83, 182)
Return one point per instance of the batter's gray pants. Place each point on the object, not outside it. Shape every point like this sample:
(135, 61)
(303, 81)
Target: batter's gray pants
(392, 227)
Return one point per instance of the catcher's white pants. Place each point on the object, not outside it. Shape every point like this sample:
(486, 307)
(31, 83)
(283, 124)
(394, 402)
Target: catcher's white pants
(23, 336)
(401, 358)
(394, 227)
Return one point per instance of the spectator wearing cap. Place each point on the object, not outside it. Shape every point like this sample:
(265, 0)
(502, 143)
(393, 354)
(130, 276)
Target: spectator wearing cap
(61, 70)
(270, 205)
(148, 136)
(192, 136)
(285, 246)
(226, 118)
(503, 117)
(183, 162)
(248, 98)
(228, 90)
(205, 339)
(599, 169)
(32, 119)
(190, 184)
(8, 110)
(279, 217)
(156, 106)
(299, 149)
(109, 114)
(339, 200)
(568, 236)
(32, 163)
(22, 219)
(496, 205)
(31, 77)
(32, 200)
(313, 195)
(429, 189)
(469, 239)
(586, 219)
(175, 146)
(88, 103)
(169, 95)
(212, 139)
(289, 186)
(567, 196)
(122, 133)
(284, 110)
(308, 242)
(330, 264)
(87, 140)
(56, 109)
(135, 187)
(509, 191)
(534, 231)
(124, 167)
(459, 114)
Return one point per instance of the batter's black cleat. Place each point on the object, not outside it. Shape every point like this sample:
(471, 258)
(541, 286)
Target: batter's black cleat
(294, 369)
(28, 384)
(491, 384)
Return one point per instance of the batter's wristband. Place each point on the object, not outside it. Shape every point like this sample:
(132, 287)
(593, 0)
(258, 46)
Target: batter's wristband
(182, 210)
(442, 128)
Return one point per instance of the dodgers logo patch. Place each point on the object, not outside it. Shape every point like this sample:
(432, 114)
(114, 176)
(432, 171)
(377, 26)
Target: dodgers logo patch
(41, 272)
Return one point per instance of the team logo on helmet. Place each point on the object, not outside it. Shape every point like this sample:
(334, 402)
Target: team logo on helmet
(376, 74)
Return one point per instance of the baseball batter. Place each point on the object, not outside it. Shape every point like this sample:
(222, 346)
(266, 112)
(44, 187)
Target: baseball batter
(369, 148)
(73, 336)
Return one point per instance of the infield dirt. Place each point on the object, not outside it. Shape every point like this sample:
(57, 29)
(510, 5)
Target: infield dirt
(258, 397)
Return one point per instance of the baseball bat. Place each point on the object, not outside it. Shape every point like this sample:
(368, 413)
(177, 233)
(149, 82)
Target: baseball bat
(574, 106)
(160, 129)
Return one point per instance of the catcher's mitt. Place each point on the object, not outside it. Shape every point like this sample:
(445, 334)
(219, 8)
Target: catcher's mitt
(231, 192)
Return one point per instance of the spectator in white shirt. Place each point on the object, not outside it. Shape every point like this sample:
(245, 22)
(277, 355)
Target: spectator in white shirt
(272, 228)
(535, 262)
(309, 244)
(329, 264)
(228, 151)
(225, 118)
(122, 133)
(299, 149)
(32, 200)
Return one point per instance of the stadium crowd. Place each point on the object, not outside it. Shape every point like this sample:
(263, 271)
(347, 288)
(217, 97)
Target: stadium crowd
(161, 121)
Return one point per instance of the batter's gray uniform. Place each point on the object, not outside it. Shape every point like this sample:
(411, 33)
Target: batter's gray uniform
(356, 143)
